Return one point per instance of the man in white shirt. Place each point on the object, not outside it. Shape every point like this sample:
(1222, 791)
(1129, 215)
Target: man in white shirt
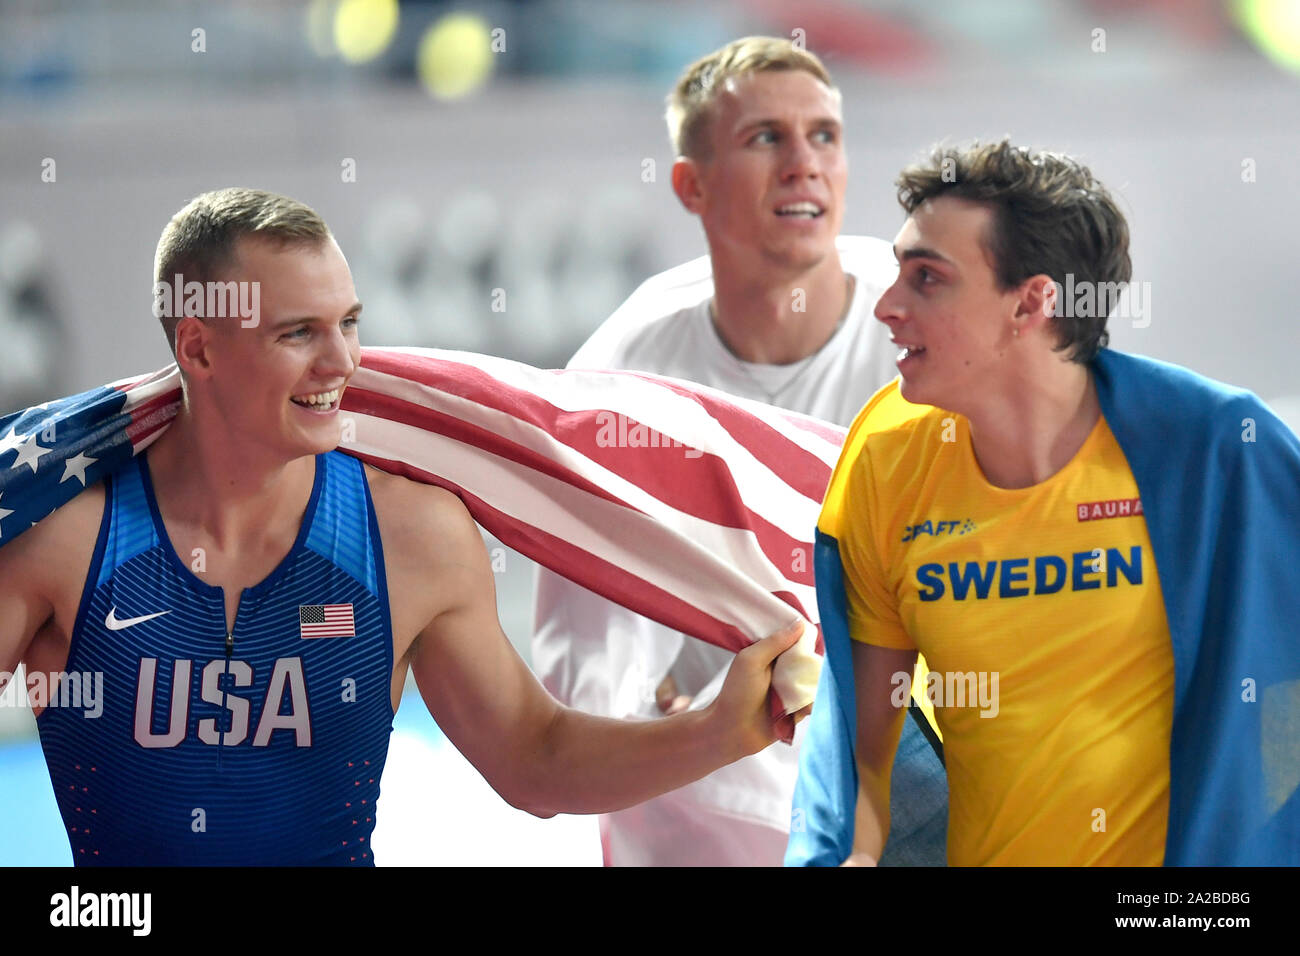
(780, 311)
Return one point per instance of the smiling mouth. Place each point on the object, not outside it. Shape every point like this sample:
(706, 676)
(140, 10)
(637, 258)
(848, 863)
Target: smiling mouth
(910, 351)
(801, 210)
(319, 401)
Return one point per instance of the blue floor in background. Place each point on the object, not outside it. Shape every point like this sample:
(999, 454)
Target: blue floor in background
(31, 832)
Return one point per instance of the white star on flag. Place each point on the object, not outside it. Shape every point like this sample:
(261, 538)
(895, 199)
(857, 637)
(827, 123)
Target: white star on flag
(30, 452)
(10, 441)
(75, 467)
(4, 512)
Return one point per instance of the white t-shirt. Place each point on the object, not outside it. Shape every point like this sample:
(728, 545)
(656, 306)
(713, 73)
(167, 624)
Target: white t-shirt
(601, 658)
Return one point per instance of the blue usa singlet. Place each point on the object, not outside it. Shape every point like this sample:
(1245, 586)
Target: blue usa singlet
(261, 746)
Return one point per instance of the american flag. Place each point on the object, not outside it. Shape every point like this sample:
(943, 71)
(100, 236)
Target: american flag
(326, 620)
(707, 528)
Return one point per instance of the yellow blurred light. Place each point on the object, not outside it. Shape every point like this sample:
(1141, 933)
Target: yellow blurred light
(455, 56)
(1274, 26)
(364, 28)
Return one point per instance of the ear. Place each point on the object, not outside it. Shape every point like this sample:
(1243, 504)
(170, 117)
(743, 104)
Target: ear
(687, 184)
(1038, 298)
(194, 347)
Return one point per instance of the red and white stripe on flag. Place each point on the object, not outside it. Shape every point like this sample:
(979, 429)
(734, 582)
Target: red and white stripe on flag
(326, 620)
(707, 528)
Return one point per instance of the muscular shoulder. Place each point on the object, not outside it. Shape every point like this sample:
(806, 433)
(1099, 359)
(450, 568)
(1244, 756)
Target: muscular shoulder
(56, 551)
(434, 556)
(419, 523)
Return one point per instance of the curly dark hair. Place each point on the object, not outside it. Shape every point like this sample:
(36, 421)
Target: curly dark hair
(1050, 217)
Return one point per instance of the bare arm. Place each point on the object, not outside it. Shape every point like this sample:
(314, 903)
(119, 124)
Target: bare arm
(880, 723)
(24, 607)
(543, 757)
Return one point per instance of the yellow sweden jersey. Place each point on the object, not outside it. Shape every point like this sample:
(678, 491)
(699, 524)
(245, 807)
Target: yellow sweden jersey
(1040, 615)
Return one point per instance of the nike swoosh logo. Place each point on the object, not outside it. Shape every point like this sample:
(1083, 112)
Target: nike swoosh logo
(113, 623)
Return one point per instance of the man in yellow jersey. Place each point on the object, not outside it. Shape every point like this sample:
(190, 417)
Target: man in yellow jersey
(984, 514)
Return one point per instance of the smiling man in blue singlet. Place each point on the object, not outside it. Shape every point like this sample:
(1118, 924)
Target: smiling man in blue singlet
(254, 599)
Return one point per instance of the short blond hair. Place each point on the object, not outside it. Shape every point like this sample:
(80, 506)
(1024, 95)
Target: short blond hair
(199, 241)
(698, 86)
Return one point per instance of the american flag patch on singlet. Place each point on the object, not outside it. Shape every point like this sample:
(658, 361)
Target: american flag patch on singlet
(325, 620)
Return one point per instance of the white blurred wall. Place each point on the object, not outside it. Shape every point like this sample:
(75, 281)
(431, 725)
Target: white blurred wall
(1219, 253)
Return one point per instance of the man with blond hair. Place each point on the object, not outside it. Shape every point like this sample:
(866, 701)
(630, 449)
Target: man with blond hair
(254, 599)
(779, 311)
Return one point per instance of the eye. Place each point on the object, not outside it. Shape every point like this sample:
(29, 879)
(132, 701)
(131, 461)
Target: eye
(924, 276)
(299, 333)
(351, 322)
(763, 137)
(827, 135)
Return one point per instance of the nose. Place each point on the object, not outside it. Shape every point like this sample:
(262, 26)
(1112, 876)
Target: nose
(889, 307)
(800, 160)
(338, 355)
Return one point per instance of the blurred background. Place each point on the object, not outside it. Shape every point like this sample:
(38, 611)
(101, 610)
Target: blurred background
(498, 175)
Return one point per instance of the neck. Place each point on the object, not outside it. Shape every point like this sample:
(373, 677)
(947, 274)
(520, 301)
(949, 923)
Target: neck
(232, 494)
(1035, 426)
(779, 319)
